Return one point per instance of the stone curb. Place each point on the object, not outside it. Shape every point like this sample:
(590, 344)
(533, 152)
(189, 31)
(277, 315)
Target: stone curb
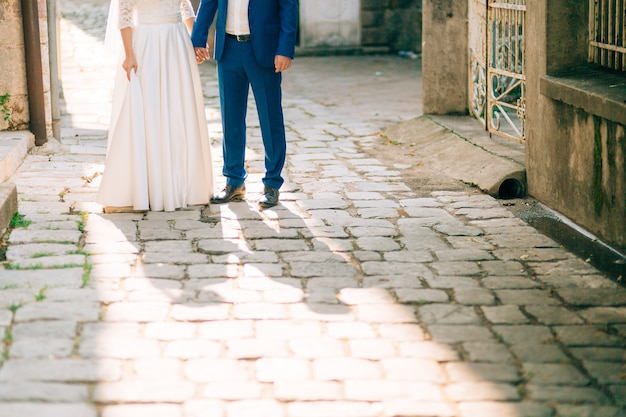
(14, 147)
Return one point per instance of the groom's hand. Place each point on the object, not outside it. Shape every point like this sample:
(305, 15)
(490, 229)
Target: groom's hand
(202, 54)
(281, 63)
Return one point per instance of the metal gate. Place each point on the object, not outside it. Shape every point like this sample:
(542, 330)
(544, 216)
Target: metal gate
(497, 66)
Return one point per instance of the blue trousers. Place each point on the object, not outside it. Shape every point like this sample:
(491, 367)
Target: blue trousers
(237, 71)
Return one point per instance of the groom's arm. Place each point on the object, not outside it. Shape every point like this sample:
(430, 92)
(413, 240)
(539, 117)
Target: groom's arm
(204, 18)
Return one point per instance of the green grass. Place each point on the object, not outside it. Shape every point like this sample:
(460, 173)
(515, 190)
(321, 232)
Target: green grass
(18, 221)
(41, 295)
(42, 254)
(14, 307)
(7, 341)
(86, 275)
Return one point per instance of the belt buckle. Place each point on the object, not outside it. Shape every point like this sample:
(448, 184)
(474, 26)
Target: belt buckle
(242, 38)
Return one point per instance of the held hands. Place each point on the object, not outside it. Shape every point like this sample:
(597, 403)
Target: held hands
(202, 54)
(282, 63)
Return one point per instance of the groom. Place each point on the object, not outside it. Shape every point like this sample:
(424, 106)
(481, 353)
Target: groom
(254, 43)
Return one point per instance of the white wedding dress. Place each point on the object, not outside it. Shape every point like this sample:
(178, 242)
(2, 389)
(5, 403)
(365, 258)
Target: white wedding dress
(158, 154)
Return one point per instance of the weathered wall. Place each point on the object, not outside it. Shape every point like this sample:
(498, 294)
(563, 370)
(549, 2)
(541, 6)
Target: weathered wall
(576, 161)
(445, 57)
(12, 66)
(396, 24)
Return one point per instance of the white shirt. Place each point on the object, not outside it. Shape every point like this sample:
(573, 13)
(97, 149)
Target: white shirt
(237, 17)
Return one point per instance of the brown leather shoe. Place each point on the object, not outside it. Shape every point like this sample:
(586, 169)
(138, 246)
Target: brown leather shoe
(229, 193)
(269, 197)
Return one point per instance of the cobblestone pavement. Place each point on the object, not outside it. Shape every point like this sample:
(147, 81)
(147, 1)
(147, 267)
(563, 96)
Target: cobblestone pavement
(356, 297)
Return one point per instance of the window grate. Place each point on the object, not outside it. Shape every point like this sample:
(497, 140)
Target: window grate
(607, 34)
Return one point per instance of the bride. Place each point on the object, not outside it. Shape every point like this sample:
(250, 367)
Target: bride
(158, 153)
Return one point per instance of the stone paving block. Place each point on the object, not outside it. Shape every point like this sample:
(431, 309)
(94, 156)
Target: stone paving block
(333, 282)
(375, 349)
(141, 410)
(378, 213)
(532, 254)
(448, 314)
(279, 245)
(221, 370)
(50, 262)
(316, 269)
(481, 391)
(598, 354)
(526, 297)
(538, 353)
(313, 348)
(488, 352)
(33, 347)
(598, 297)
(252, 270)
(459, 372)
(249, 311)
(407, 407)
(32, 249)
(332, 369)
(282, 369)
(385, 313)
(454, 282)
(570, 410)
(406, 256)
(284, 296)
(328, 409)
(191, 349)
(321, 311)
(136, 312)
(413, 369)
(515, 283)
(551, 315)
(554, 374)
(386, 281)
(236, 390)
(47, 310)
(470, 242)
(523, 241)
(504, 409)
(570, 266)
(308, 256)
(371, 231)
(42, 392)
(201, 271)
(377, 244)
(587, 336)
(577, 281)
(463, 255)
(457, 268)
(60, 370)
(307, 390)
(566, 394)
(474, 296)
(604, 315)
(459, 333)
(20, 236)
(143, 391)
(395, 269)
(356, 296)
(21, 409)
(157, 368)
(506, 314)
(607, 372)
(246, 257)
(127, 348)
(384, 390)
(522, 334)
(503, 268)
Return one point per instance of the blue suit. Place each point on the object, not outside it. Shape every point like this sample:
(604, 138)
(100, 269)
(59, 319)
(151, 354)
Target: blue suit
(241, 65)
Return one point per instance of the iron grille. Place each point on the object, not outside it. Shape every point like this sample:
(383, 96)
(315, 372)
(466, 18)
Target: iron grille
(607, 33)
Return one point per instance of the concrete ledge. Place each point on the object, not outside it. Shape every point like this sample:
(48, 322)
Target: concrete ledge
(440, 148)
(597, 92)
(14, 147)
(8, 204)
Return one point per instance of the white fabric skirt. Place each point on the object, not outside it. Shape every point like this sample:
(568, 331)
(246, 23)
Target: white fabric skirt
(158, 154)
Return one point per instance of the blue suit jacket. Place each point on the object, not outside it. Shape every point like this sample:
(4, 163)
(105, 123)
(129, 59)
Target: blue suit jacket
(273, 27)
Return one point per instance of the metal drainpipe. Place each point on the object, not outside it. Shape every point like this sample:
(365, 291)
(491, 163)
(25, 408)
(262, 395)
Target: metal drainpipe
(53, 48)
(34, 80)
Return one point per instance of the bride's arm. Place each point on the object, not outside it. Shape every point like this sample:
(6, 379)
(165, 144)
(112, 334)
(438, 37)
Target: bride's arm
(127, 8)
(189, 16)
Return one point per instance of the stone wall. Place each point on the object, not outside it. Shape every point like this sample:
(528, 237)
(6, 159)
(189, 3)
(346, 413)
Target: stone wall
(396, 24)
(12, 66)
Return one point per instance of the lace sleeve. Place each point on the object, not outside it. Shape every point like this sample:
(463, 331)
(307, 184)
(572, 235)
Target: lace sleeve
(186, 9)
(127, 8)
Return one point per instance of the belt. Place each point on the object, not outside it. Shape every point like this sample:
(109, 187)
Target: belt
(239, 38)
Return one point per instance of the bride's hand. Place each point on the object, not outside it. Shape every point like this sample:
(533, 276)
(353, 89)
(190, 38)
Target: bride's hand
(129, 64)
